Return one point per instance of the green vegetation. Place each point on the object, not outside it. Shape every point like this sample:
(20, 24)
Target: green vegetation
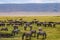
(52, 33)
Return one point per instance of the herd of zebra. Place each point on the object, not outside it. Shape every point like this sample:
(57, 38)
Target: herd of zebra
(26, 24)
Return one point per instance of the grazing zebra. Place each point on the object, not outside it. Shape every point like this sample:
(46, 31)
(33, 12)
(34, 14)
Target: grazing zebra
(40, 32)
(15, 31)
(26, 35)
(25, 27)
(4, 28)
(33, 32)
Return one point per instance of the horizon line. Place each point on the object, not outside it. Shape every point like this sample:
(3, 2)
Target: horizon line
(28, 3)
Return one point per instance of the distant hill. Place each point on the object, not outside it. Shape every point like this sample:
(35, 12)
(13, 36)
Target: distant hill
(33, 7)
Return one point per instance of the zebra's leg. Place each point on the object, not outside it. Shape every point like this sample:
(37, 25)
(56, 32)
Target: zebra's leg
(25, 28)
(30, 37)
(37, 36)
(30, 28)
(23, 36)
(44, 36)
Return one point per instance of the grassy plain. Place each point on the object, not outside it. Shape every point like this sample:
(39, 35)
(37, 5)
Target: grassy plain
(52, 33)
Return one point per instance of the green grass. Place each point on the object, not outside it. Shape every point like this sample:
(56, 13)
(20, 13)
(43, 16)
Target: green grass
(52, 33)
